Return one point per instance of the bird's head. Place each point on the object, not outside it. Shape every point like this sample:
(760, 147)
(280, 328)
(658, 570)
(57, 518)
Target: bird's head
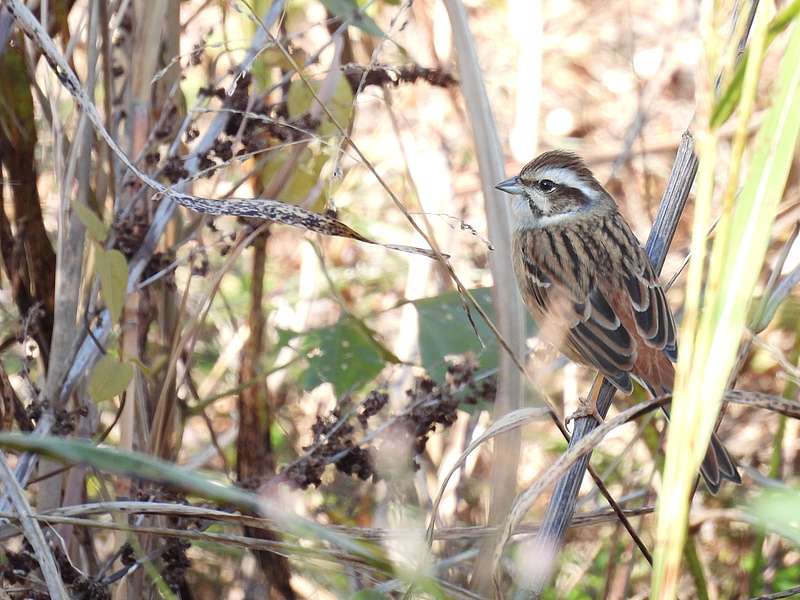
(555, 188)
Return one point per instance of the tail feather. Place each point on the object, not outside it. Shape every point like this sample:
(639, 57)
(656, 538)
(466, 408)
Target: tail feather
(717, 465)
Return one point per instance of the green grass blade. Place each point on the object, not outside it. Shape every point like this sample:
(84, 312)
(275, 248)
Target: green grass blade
(714, 336)
(142, 466)
(729, 99)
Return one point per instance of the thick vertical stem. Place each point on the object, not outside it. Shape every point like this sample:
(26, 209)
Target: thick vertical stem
(508, 304)
(254, 460)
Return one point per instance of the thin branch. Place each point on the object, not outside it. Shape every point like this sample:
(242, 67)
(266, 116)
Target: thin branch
(33, 532)
(792, 592)
(778, 404)
(542, 548)
(235, 519)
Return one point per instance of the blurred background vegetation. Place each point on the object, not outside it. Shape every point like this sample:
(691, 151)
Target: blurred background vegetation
(317, 391)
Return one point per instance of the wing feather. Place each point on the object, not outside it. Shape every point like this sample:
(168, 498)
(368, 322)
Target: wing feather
(654, 320)
(567, 293)
(597, 300)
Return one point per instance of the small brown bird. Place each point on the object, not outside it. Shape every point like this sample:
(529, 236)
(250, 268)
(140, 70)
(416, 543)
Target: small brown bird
(590, 286)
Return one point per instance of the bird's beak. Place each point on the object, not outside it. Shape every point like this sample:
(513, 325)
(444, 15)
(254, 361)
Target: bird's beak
(511, 185)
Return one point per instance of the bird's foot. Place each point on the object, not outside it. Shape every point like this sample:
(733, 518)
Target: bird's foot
(586, 408)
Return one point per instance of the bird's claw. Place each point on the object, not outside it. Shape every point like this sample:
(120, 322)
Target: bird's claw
(586, 408)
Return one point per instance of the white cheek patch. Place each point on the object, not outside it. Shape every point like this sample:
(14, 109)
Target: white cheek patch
(541, 201)
(523, 217)
(567, 178)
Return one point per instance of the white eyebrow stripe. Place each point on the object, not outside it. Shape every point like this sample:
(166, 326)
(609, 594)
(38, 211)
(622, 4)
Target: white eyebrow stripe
(568, 178)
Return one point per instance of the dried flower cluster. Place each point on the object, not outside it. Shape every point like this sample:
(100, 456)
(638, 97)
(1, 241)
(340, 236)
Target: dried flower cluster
(428, 404)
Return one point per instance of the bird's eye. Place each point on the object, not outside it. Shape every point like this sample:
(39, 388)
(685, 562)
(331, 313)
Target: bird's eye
(546, 185)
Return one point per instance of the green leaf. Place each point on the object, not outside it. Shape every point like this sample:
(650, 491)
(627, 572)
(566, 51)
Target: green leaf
(349, 11)
(348, 356)
(345, 354)
(369, 595)
(300, 99)
(109, 378)
(444, 329)
(340, 106)
(130, 464)
(141, 466)
(729, 99)
(777, 511)
(303, 179)
(94, 225)
(737, 259)
(113, 271)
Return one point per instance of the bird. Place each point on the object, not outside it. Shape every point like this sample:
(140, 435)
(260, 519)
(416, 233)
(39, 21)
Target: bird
(591, 288)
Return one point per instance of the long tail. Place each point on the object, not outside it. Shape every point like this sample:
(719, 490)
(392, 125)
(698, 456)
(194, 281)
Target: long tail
(717, 465)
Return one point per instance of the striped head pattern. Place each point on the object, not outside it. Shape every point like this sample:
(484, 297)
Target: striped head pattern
(555, 188)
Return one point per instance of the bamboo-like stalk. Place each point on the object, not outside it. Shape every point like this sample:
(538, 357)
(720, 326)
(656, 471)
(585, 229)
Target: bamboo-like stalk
(711, 336)
(146, 42)
(69, 274)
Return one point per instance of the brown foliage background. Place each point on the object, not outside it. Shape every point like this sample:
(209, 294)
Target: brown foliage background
(339, 379)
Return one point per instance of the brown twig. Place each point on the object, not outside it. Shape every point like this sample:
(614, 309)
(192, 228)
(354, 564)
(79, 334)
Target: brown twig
(33, 532)
(792, 592)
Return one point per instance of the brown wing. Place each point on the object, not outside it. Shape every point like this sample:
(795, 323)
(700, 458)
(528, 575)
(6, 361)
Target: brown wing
(654, 320)
(591, 312)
